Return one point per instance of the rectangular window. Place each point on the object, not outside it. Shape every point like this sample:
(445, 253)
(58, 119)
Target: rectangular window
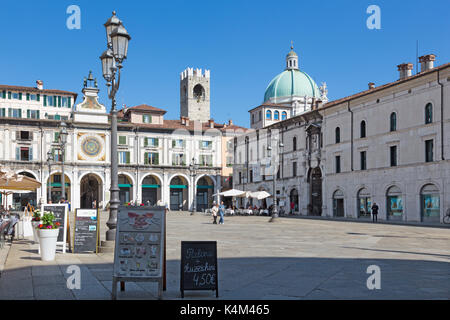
(294, 169)
(251, 175)
(363, 160)
(33, 97)
(206, 160)
(33, 114)
(15, 95)
(122, 140)
(429, 151)
(24, 135)
(64, 102)
(2, 112)
(178, 143)
(15, 113)
(338, 164)
(56, 136)
(24, 153)
(56, 152)
(151, 142)
(146, 118)
(124, 157)
(50, 101)
(151, 158)
(205, 145)
(178, 159)
(393, 154)
(240, 177)
(230, 161)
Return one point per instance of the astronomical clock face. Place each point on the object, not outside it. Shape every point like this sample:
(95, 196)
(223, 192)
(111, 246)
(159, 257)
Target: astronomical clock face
(91, 147)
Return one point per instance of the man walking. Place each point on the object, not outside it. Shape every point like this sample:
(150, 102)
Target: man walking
(221, 212)
(375, 212)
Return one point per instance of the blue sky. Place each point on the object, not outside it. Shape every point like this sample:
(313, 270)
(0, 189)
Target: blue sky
(243, 43)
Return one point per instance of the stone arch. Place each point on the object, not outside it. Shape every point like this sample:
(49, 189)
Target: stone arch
(204, 192)
(91, 190)
(179, 194)
(151, 189)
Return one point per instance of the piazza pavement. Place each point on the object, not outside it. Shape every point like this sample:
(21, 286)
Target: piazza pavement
(292, 258)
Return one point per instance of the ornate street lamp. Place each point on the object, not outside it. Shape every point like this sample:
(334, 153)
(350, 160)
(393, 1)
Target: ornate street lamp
(274, 180)
(62, 145)
(49, 163)
(193, 167)
(117, 40)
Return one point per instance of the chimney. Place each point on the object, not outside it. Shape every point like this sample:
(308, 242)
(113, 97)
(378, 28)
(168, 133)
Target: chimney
(183, 120)
(186, 121)
(427, 62)
(371, 85)
(40, 84)
(211, 123)
(405, 70)
(230, 122)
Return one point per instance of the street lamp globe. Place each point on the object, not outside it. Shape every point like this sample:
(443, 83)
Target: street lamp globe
(110, 25)
(107, 64)
(63, 133)
(119, 39)
(49, 155)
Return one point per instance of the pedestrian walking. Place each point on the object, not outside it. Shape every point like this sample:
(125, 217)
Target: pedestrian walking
(214, 211)
(221, 212)
(375, 212)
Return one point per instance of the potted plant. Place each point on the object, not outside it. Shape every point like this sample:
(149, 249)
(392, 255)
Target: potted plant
(35, 222)
(48, 234)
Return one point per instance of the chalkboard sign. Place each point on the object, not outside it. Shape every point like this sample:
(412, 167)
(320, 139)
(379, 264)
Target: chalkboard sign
(199, 266)
(139, 246)
(85, 238)
(60, 213)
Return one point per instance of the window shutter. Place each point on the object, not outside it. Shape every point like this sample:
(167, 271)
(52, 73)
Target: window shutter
(38, 115)
(28, 96)
(59, 101)
(45, 100)
(9, 94)
(156, 158)
(28, 114)
(4, 94)
(128, 157)
(30, 154)
(156, 142)
(20, 113)
(9, 112)
(31, 135)
(17, 135)
(17, 153)
(173, 143)
(145, 142)
(69, 104)
(20, 95)
(146, 158)
(38, 97)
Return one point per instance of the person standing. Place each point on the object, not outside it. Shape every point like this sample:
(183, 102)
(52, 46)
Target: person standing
(221, 212)
(375, 212)
(214, 211)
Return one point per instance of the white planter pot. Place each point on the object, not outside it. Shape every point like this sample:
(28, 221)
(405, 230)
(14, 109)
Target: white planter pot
(47, 243)
(35, 224)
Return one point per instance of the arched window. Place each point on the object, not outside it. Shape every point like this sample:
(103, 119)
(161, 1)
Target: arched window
(268, 115)
(276, 115)
(430, 206)
(294, 144)
(363, 129)
(394, 203)
(338, 135)
(199, 92)
(428, 113)
(393, 121)
(284, 115)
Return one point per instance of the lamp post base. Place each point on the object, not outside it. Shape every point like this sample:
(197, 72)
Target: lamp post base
(106, 247)
(274, 218)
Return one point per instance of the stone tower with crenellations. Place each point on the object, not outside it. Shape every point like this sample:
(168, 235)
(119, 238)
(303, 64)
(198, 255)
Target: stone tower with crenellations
(195, 94)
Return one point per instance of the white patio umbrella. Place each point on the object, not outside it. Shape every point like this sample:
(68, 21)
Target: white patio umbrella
(231, 193)
(259, 195)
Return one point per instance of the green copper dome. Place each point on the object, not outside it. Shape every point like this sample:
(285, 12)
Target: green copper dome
(291, 82)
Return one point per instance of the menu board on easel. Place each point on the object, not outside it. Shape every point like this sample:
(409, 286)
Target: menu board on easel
(139, 247)
(85, 238)
(60, 213)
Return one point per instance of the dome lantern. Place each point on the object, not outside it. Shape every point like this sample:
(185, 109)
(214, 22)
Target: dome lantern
(292, 59)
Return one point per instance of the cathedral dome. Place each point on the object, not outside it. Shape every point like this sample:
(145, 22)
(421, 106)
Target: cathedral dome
(291, 82)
